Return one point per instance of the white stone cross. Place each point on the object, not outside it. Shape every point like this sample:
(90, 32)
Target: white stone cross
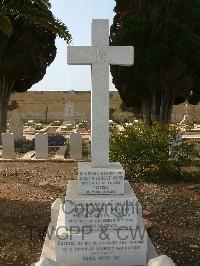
(100, 55)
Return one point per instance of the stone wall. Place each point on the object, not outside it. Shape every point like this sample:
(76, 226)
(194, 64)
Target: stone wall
(49, 106)
(180, 110)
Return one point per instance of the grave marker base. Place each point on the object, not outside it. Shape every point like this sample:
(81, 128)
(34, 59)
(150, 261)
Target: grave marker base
(112, 211)
(79, 246)
(102, 181)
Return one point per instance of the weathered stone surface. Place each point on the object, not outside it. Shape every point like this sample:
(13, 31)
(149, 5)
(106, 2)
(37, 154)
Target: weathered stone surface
(161, 261)
(49, 248)
(69, 114)
(100, 55)
(76, 146)
(108, 180)
(41, 146)
(55, 208)
(187, 120)
(49, 251)
(85, 246)
(110, 211)
(16, 124)
(46, 262)
(8, 149)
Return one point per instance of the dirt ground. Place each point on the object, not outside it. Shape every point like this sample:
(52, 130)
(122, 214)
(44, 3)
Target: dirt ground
(172, 208)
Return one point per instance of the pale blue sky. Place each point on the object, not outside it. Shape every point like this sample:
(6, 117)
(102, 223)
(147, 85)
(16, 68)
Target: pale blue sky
(77, 15)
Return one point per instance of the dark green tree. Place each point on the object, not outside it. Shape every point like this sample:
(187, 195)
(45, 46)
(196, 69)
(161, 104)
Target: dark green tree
(26, 50)
(30, 11)
(166, 37)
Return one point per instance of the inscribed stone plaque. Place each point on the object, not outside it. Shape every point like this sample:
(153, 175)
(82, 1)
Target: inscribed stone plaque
(108, 180)
(84, 246)
(111, 211)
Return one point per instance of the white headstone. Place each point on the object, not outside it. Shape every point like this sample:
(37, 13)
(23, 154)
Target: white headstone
(16, 124)
(76, 146)
(8, 149)
(69, 114)
(187, 120)
(100, 55)
(41, 146)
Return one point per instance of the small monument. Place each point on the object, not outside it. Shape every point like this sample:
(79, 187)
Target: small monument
(41, 146)
(8, 148)
(69, 114)
(100, 221)
(187, 119)
(16, 124)
(76, 146)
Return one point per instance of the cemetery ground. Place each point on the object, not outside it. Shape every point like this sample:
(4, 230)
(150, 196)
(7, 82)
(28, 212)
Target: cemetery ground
(27, 191)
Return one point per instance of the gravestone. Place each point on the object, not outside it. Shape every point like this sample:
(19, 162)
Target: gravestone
(30, 122)
(69, 114)
(16, 124)
(100, 221)
(187, 121)
(41, 146)
(8, 148)
(75, 142)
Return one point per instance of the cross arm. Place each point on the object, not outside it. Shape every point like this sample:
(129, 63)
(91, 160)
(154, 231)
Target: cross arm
(121, 55)
(80, 55)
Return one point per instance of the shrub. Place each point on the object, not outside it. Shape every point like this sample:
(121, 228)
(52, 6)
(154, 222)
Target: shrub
(83, 124)
(145, 150)
(23, 146)
(37, 126)
(85, 148)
